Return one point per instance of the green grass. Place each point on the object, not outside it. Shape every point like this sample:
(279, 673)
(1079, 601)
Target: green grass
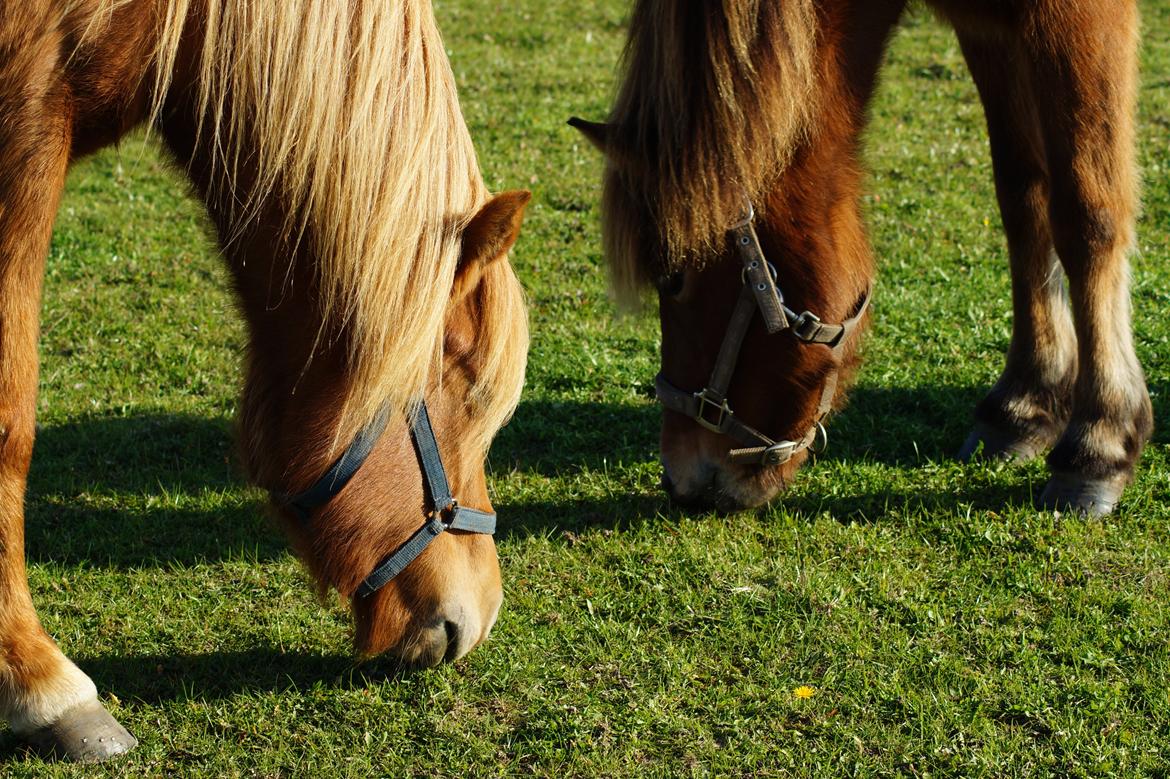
(947, 627)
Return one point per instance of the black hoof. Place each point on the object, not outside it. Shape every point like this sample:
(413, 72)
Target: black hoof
(84, 734)
(991, 443)
(1091, 497)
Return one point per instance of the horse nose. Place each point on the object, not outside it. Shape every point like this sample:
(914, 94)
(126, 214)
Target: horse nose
(701, 498)
(445, 638)
(436, 642)
(705, 494)
(427, 647)
(667, 484)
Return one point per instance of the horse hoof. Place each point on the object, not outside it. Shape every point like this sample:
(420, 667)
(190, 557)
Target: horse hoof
(998, 445)
(84, 734)
(1090, 497)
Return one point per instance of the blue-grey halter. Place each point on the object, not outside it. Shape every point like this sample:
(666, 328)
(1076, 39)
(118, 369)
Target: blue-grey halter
(445, 513)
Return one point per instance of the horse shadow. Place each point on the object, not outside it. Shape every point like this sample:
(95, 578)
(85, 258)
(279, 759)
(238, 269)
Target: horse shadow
(148, 489)
(158, 679)
(891, 426)
(153, 454)
(896, 427)
(155, 678)
(144, 489)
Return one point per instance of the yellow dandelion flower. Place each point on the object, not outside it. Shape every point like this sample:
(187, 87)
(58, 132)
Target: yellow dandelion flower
(804, 692)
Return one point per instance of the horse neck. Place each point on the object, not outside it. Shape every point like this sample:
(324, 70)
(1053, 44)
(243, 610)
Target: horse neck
(105, 57)
(295, 380)
(813, 206)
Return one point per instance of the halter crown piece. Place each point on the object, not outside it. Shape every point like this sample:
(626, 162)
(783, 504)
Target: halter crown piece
(709, 406)
(445, 512)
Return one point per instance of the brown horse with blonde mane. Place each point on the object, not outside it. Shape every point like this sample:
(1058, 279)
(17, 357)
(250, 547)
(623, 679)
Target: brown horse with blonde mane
(741, 103)
(371, 267)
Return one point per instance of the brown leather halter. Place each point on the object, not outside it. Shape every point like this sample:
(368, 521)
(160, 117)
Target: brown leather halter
(709, 406)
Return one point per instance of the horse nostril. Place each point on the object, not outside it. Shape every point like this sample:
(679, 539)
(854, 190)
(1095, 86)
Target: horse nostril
(452, 640)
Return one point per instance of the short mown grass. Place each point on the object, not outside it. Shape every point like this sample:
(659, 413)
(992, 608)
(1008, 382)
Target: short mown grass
(945, 626)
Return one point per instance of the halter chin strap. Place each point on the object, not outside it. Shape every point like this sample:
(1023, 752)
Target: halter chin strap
(445, 512)
(709, 406)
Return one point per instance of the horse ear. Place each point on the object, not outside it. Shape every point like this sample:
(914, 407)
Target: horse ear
(488, 237)
(606, 139)
(597, 133)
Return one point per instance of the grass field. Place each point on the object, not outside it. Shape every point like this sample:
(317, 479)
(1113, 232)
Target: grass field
(944, 626)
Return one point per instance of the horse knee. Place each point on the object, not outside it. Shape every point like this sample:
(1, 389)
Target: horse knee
(1023, 205)
(1086, 235)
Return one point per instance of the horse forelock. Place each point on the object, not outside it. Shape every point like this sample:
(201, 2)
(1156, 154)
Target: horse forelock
(712, 105)
(347, 114)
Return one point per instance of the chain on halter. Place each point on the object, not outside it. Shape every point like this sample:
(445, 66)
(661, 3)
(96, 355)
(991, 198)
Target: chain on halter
(445, 513)
(709, 406)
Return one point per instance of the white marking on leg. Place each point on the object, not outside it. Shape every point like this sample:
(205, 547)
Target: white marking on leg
(27, 711)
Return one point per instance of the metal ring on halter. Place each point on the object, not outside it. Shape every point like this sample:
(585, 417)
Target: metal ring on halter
(823, 435)
(749, 214)
(744, 271)
(705, 401)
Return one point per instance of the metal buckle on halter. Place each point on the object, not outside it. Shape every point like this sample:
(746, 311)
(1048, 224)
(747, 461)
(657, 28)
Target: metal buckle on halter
(807, 326)
(721, 406)
(777, 454)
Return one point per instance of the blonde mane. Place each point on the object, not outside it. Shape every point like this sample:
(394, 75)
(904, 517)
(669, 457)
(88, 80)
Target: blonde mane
(347, 113)
(714, 99)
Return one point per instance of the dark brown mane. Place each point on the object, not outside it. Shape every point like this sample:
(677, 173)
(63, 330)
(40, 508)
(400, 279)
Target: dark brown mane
(713, 100)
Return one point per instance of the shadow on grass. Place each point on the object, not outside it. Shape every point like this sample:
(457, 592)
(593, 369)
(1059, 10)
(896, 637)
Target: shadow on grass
(140, 490)
(891, 426)
(1160, 396)
(156, 457)
(551, 437)
(137, 453)
(570, 517)
(157, 679)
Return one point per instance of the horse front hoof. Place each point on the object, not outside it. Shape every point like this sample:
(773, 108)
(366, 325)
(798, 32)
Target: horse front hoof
(991, 443)
(84, 734)
(1090, 497)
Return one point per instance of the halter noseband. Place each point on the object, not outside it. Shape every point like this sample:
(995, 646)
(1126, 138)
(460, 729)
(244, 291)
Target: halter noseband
(445, 513)
(709, 407)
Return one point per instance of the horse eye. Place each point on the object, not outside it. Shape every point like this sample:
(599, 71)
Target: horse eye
(671, 285)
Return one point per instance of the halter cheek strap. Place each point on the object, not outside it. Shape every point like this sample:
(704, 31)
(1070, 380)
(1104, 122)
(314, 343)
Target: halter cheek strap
(709, 406)
(333, 481)
(445, 512)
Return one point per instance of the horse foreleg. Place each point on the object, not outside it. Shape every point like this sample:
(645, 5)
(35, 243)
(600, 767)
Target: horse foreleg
(1083, 64)
(43, 695)
(1026, 411)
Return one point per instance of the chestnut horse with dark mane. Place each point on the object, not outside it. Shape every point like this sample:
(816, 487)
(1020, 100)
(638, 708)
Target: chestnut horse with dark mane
(371, 267)
(741, 103)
